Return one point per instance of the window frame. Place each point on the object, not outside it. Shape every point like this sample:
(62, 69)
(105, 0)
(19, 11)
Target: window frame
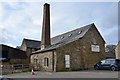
(46, 61)
(67, 61)
(95, 48)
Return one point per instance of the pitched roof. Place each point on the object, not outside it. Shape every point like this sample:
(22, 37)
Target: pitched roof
(66, 38)
(77, 33)
(32, 43)
(10, 52)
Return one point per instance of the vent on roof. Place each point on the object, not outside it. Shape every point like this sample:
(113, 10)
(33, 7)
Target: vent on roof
(70, 35)
(79, 32)
(62, 37)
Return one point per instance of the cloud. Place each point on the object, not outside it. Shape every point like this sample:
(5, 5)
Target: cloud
(59, 0)
(24, 19)
(21, 21)
(104, 15)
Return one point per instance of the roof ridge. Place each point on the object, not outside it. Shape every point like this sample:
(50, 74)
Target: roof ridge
(73, 30)
(9, 46)
(62, 33)
(31, 40)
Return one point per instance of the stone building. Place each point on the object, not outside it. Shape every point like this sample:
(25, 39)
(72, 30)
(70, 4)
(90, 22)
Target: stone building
(117, 51)
(77, 49)
(110, 51)
(29, 46)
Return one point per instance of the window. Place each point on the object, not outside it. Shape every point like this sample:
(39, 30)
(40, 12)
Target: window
(46, 61)
(95, 48)
(67, 61)
(35, 61)
(107, 62)
(112, 61)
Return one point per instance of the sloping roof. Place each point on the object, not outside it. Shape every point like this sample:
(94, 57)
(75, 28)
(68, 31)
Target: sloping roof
(77, 33)
(10, 52)
(32, 43)
(66, 38)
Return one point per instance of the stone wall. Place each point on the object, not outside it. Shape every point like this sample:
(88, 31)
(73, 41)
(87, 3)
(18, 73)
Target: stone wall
(117, 51)
(23, 46)
(93, 37)
(6, 68)
(74, 50)
(15, 68)
(81, 56)
(27, 50)
(40, 60)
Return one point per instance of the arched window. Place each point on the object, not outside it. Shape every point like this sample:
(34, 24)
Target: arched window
(46, 61)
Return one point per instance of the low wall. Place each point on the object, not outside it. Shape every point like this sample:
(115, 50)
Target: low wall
(9, 69)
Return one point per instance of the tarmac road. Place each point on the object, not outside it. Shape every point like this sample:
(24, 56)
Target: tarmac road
(98, 75)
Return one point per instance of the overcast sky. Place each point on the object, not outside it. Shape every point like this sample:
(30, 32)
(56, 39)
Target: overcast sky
(20, 20)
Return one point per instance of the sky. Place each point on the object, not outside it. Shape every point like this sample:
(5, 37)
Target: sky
(20, 20)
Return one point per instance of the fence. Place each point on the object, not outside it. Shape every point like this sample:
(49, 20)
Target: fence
(8, 69)
(36, 67)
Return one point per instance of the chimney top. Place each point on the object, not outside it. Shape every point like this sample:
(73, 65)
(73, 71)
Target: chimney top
(46, 4)
(45, 38)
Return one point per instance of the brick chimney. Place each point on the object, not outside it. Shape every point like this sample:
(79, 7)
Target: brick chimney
(45, 39)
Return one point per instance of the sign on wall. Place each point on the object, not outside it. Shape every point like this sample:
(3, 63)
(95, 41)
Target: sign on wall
(95, 48)
(67, 61)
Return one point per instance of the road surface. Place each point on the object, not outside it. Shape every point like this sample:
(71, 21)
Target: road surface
(78, 74)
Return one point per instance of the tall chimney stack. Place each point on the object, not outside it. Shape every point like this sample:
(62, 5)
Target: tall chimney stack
(45, 39)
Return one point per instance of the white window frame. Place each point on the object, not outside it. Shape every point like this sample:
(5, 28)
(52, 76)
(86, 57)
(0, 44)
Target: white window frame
(67, 61)
(95, 48)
